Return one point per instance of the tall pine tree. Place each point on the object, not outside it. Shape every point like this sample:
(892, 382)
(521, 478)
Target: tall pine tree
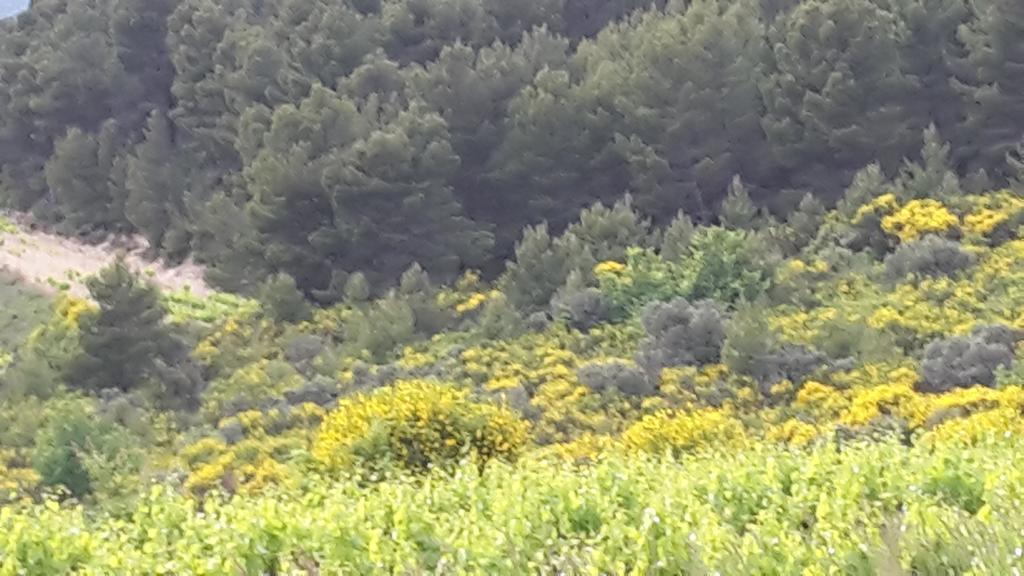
(79, 176)
(836, 97)
(994, 90)
(157, 183)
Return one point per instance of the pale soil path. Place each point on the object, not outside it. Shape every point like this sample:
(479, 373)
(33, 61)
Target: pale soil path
(49, 261)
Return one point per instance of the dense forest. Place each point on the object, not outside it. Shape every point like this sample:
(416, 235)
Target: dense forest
(318, 138)
(575, 287)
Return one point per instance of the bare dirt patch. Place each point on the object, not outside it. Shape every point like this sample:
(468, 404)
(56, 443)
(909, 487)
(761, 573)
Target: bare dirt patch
(56, 263)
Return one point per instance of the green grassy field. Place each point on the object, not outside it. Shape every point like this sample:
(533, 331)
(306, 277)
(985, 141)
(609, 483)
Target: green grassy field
(22, 308)
(880, 508)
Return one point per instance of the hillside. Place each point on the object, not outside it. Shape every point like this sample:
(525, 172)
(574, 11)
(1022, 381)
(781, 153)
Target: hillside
(503, 287)
(688, 397)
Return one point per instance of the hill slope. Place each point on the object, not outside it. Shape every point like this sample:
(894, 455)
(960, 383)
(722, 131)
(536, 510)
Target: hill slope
(621, 400)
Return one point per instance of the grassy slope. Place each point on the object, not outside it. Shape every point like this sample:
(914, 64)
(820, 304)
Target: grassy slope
(22, 308)
(760, 484)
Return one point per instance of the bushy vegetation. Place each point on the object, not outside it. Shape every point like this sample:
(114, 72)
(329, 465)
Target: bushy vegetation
(23, 309)
(868, 509)
(532, 285)
(832, 363)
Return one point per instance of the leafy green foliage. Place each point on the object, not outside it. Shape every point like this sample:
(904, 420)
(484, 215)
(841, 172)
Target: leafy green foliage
(857, 493)
(23, 309)
(71, 446)
(727, 266)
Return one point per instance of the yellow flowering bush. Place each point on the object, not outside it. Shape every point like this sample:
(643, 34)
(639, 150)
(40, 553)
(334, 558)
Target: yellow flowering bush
(990, 211)
(609, 267)
(895, 400)
(694, 386)
(876, 209)
(541, 369)
(16, 480)
(247, 467)
(584, 449)
(259, 458)
(475, 301)
(976, 428)
(918, 218)
(416, 425)
(679, 432)
(819, 398)
(984, 221)
(240, 339)
(793, 432)
(263, 379)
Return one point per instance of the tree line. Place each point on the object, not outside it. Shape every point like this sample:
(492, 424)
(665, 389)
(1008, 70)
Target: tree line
(321, 138)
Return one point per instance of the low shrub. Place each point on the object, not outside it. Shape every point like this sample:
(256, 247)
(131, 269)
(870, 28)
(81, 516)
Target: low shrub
(415, 426)
(615, 375)
(931, 256)
(965, 361)
(681, 334)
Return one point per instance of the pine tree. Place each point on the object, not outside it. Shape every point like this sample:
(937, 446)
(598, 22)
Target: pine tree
(931, 52)
(78, 175)
(868, 183)
(995, 89)
(710, 130)
(195, 33)
(416, 289)
(675, 241)
(418, 29)
(933, 177)
(738, 211)
(357, 289)
(289, 206)
(472, 89)
(609, 232)
(514, 18)
(557, 157)
(671, 124)
(123, 338)
(139, 31)
(805, 221)
(837, 99)
(340, 185)
(157, 183)
(283, 299)
(327, 40)
(584, 18)
(78, 78)
(538, 271)
(392, 199)
(227, 242)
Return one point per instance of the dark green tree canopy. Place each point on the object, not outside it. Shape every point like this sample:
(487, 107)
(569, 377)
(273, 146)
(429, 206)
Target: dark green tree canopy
(320, 138)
